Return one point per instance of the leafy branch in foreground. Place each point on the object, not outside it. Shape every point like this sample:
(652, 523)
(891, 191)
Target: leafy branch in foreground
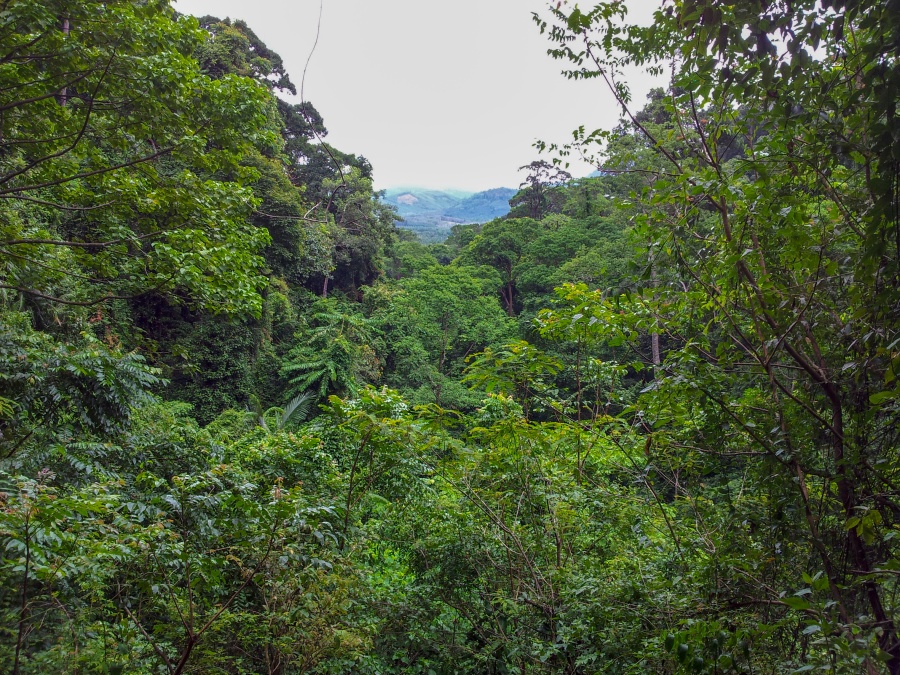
(770, 201)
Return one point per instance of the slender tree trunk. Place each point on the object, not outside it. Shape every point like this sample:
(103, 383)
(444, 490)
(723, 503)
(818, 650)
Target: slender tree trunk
(64, 92)
(654, 336)
(847, 495)
(186, 654)
(23, 609)
(508, 299)
(439, 387)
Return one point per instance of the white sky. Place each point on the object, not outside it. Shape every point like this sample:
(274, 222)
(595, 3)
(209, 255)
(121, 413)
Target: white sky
(435, 94)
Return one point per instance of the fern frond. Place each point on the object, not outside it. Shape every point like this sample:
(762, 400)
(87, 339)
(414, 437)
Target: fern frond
(7, 407)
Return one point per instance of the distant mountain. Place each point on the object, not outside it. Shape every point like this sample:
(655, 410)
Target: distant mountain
(431, 213)
(418, 201)
(483, 206)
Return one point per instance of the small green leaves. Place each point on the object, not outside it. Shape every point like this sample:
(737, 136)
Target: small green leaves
(865, 525)
(575, 20)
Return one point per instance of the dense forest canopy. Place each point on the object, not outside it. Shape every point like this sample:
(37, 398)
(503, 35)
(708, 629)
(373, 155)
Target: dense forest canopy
(647, 422)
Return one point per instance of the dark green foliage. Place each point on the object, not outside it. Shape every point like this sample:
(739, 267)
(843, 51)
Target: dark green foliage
(460, 236)
(281, 212)
(409, 256)
(232, 48)
(79, 384)
(219, 371)
(533, 257)
(540, 193)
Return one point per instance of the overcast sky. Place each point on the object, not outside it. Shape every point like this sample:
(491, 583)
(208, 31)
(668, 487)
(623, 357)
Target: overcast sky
(435, 94)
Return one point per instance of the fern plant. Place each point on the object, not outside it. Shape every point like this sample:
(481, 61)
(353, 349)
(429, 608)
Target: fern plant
(333, 355)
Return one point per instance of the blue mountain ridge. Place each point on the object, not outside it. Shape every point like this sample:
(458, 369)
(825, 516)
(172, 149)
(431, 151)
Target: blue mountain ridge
(431, 213)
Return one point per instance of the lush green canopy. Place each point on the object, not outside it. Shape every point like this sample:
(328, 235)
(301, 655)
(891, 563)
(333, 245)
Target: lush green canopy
(648, 423)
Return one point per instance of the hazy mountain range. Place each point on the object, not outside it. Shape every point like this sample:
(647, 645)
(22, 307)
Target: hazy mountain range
(431, 213)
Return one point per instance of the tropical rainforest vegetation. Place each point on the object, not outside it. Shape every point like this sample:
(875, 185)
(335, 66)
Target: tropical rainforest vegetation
(645, 423)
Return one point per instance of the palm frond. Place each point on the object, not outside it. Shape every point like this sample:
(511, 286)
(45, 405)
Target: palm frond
(298, 407)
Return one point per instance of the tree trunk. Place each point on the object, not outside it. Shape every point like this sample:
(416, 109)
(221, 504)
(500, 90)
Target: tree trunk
(23, 609)
(508, 299)
(64, 92)
(654, 336)
(847, 495)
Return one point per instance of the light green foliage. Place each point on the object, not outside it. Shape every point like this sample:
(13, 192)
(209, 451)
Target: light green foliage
(431, 323)
(583, 243)
(234, 49)
(177, 568)
(409, 256)
(516, 370)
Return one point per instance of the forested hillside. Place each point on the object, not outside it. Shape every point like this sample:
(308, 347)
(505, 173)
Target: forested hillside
(646, 422)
